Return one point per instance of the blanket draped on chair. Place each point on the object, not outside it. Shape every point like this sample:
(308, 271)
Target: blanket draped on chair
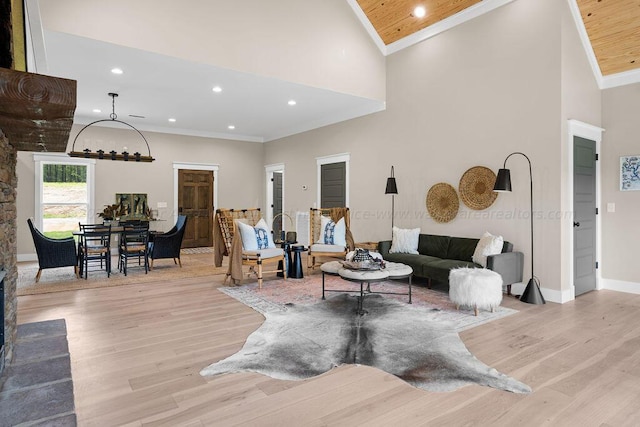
(235, 260)
(219, 249)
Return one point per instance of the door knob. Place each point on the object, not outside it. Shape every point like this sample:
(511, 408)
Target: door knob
(576, 224)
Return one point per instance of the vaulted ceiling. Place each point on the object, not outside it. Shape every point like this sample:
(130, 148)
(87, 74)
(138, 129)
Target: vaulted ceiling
(396, 19)
(612, 26)
(252, 108)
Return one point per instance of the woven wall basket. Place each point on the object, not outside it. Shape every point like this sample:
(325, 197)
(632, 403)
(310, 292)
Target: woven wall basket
(442, 202)
(476, 188)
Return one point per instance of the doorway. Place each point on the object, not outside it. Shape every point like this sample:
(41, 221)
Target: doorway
(333, 181)
(275, 199)
(582, 227)
(584, 215)
(195, 201)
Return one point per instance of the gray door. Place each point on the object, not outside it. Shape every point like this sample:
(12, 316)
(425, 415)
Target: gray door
(333, 185)
(584, 208)
(277, 204)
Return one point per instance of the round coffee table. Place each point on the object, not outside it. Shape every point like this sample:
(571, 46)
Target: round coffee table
(392, 271)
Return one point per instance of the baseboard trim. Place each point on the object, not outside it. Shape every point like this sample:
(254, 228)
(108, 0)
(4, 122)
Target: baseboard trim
(27, 257)
(550, 295)
(620, 286)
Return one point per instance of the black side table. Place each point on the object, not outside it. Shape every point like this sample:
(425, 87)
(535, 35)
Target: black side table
(295, 261)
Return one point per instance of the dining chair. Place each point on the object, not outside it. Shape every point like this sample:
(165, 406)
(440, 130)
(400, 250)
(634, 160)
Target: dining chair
(167, 245)
(53, 253)
(94, 246)
(134, 240)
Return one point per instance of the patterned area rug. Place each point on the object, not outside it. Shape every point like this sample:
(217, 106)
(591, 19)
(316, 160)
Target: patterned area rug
(276, 293)
(191, 251)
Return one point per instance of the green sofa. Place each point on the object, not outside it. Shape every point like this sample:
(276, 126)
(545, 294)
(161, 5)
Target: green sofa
(439, 254)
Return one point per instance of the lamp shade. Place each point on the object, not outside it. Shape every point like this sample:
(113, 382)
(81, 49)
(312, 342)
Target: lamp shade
(391, 186)
(503, 181)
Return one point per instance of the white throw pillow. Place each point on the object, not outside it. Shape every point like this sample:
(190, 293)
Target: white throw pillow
(487, 245)
(405, 241)
(332, 233)
(255, 238)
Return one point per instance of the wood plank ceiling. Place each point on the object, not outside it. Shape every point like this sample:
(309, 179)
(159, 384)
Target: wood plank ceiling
(613, 26)
(394, 19)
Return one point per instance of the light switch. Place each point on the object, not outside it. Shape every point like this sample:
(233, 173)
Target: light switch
(611, 207)
(162, 205)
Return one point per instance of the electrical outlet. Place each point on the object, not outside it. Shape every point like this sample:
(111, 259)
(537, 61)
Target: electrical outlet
(162, 205)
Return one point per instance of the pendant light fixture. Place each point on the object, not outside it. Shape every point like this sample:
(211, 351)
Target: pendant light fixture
(112, 154)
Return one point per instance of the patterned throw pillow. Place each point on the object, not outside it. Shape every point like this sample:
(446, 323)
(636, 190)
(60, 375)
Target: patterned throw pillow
(328, 232)
(332, 233)
(262, 237)
(254, 238)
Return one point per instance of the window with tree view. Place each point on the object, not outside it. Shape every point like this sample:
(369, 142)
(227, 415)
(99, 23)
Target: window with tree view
(64, 198)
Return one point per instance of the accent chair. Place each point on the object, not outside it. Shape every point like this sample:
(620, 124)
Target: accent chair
(53, 253)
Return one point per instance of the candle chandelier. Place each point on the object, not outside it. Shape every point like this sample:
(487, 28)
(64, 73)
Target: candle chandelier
(111, 155)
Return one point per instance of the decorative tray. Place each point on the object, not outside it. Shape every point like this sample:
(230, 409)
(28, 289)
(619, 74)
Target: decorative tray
(362, 265)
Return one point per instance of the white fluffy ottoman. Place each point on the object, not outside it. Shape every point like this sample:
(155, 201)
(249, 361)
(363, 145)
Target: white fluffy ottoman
(475, 287)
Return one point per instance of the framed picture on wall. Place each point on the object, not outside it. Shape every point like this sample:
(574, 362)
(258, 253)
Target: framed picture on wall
(629, 173)
(133, 206)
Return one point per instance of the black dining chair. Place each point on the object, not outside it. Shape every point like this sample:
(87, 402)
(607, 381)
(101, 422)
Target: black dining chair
(167, 245)
(53, 253)
(94, 247)
(134, 240)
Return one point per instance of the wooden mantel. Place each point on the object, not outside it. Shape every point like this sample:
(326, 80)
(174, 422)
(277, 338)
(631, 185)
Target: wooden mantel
(36, 111)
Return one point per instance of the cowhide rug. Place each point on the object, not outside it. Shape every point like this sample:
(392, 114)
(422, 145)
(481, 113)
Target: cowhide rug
(305, 341)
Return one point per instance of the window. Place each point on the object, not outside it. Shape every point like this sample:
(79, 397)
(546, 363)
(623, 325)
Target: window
(64, 194)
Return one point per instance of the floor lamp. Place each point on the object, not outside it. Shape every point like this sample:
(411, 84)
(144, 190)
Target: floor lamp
(393, 190)
(531, 294)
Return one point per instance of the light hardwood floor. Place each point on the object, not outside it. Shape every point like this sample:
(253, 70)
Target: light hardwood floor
(136, 352)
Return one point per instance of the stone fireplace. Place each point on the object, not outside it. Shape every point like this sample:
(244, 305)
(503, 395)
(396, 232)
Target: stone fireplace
(8, 185)
(36, 114)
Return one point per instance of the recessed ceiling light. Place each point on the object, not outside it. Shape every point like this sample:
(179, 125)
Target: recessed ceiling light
(291, 102)
(232, 127)
(97, 110)
(419, 12)
(217, 89)
(117, 70)
(172, 120)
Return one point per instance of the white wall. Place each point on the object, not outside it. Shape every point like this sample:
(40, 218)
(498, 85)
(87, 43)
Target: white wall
(621, 229)
(240, 171)
(467, 97)
(581, 100)
(320, 43)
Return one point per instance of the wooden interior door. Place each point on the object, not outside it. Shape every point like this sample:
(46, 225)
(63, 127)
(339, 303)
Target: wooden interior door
(195, 200)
